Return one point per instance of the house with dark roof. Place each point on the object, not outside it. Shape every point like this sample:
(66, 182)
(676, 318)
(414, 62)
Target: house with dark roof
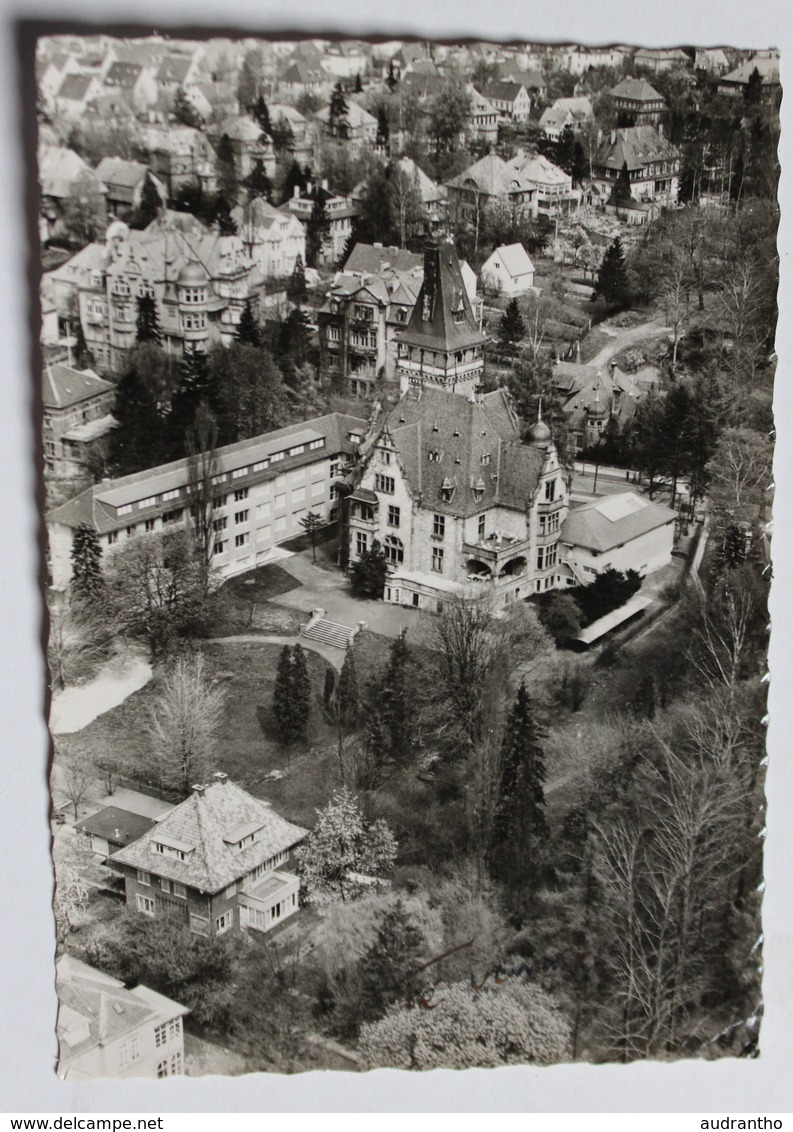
(339, 210)
(657, 59)
(510, 99)
(652, 162)
(304, 78)
(593, 397)
(106, 1030)
(616, 532)
(123, 182)
(215, 862)
(458, 501)
(78, 408)
(264, 486)
(275, 240)
(75, 93)
(112, 827)
(136, 81)
(366, 310)
(767, 66)
(64, 177)
(573, 112)
(637, 103)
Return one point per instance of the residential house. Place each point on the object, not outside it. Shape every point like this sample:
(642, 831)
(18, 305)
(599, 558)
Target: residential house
(304, 78)
(359, 127)
(177, 71)
(249, 145)
(616, 532)
(75, 94)
(340, 212)
(301, 142)
(364, 315)
(509, 271)
(123, 182)
(407, 55)
(179, 156)
(135, 81)
(579, 59)
(432, 195)
(105, 1030)
(77, 289)
(482, 117)
(112, 828)
(273, 239)
(424, 80)
(767, 65)
(51, 70)
(595, 398)
(511, 100)
(572, 112)
(512, 71)
(442, 345)
(216, 862)
(65, 179)
(652, 161)
(712, 59)
(487, 182)
(78, 406)
(637, 103)
(265, 486)
(345, 58)
(460, 504)
(553, 188)
(661, 59)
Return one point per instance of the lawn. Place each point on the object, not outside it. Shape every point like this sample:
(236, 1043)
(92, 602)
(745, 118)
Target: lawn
(247, 605)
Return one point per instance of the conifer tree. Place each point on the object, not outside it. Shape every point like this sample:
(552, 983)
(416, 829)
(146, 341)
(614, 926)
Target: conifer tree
(283, 704)
(150, 204)
(248, 331)
(392, 82)
(262, 115)
(296, 288)
(612, 281)
(221, 215)
(147, 323)
(368, 574)
(358, 89)
(301, 692)
(295, 178)
(387, 966)
(226, 169)
(347, 701)
(383, 129)
(512, 327)
(337, 113)
(520, 826)
(86, 558)
(258, 183)
(83, 358)
(317, 230)
(621, 193)
(185, 114)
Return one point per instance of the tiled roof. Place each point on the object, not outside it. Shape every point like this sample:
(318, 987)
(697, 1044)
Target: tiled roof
(173, 69)
(75, 87)
(532, 80)
(305, 73)
(515, 259)
(538, 170)
(209, 822)
(119, 173)
(612, 520)
(766, 66)
(443, 288)
(370, 259)
(241, 128)
(95, 1009)
(502, 89)
(357, 117)
(491, 176)
(64, 386)
(579, 109)
(62, 170)
(124, 74)
(258, 213)
(635, 146)
(461, 432)
(428, 190)
(637, 90)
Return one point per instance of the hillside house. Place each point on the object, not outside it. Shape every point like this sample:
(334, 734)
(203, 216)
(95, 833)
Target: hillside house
(217, 862)
(511, 100)
(573, 112)
(652, 161)
(637, 103)
(488, 182)
(274, 240)
(616, 532)
(78, 408)
(123, 182)
(509, 271)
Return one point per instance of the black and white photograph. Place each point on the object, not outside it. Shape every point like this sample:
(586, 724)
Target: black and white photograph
(405, 442)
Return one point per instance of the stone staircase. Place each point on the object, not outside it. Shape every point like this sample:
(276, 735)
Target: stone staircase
(329, 632)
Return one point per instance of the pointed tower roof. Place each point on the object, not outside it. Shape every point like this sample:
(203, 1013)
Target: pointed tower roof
(442, 318)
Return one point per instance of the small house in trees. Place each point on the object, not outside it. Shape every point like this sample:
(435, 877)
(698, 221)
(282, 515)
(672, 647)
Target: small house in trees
(339, 210)
(134, 80)
(360, 127)
(616, 532)
(65, 179)
(658, 59)
(248, 144)
(651, 160)
(77, 414)
(179, 156)
(637, 103)
(487, 182)
(217, 862)
(595, 397)
(275, 240)
(509, 270)
(573, 112)
(106, 1030)
(511, 100)
(766, 64)
(123, 182)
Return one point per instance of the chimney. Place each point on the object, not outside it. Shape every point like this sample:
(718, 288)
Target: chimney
(613, 136)
(220, 777)
(296, 191)
(199, 789)
(325, 184)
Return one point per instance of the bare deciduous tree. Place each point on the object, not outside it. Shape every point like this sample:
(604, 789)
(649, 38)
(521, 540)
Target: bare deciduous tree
(184, 724)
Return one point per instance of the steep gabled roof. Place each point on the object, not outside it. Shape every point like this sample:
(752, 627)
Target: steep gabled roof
(442, 318)
(502, 90)
(174, 69)
(515, 259)
(120, 173)
(635, 146)
(476, 450)
(491, 176)
(207, 827)
(371, 259)
(538, 170)
(62, 170)
(64, 386)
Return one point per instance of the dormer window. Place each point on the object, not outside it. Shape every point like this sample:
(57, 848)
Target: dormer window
(435, 456)
(243, 836)
(171, 847)
(478, 489)
(484, 459)
(447, 490)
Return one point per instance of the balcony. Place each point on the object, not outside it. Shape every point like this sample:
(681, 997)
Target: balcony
(496, 550)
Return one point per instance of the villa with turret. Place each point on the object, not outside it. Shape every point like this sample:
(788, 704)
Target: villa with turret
(447, 486)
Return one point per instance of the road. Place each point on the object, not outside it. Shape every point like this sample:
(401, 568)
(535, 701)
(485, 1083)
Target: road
(627, 337)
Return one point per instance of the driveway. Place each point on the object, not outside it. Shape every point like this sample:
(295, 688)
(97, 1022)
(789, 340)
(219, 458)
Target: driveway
(329, 590)
(623, 338)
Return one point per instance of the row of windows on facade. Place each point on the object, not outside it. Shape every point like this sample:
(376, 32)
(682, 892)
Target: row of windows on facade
(123, 289)
(199, 925)
(223, 477)
(431, 358)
